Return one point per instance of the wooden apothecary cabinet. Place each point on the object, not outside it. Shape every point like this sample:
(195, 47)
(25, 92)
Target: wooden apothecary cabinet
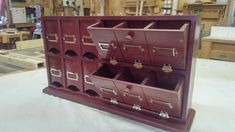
(141, 64)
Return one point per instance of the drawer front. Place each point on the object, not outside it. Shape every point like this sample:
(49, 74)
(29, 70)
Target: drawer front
(70, 35)
(167, 47)
(90, 64)
(133, 45)
(164, 100)
(131, 94)
(106, 44)
(85, 36)
(56, 72)
(107, 88)
(73, 71)
(52, 34)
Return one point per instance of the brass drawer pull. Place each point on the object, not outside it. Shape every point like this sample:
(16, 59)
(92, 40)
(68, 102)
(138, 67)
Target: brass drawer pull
(126, 94)
(160, 51)
(72, 76)
(87, 80)
(125, 46)
(55, 72)
(113, 61)
(113, 101)
(50, 36)
(108, 91)
(70, 39)
(136, 107)
(87, 40)
(152, 101)
(106, 46)
(164, 115)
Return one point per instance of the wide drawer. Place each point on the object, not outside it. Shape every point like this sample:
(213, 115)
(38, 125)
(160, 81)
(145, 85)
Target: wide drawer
(105, 40)
(167, 45)
(163, 92)
(129, 83)
(103, 79)
(131, 39)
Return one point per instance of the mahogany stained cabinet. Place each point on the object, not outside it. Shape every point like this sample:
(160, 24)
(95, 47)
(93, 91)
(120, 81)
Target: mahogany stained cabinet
(141, 68)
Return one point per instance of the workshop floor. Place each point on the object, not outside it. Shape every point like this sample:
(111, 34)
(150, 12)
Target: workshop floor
(24, 108)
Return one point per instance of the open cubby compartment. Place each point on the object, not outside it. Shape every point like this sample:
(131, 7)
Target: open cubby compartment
(133, 24)
(104, 78)
(164, 81)
(107, 71)
(168, 25)
(105, 24)
(130, 75)
(164, 92)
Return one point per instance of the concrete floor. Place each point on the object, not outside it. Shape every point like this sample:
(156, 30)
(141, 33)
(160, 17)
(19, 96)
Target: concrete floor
(24, 108)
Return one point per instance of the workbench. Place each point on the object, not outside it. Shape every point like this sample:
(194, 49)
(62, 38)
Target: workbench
(25, 108)
(219, 45)
(7, 40)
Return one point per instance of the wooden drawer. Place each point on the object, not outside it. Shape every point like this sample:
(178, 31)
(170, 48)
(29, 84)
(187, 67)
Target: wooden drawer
(131, 38)
(73, 70)
(222, 55)
(105, 40)
(70, 35)
(56, 72)
(163, 93)
(167, 45)
(51, 28)
(104, 78)
(129, 83)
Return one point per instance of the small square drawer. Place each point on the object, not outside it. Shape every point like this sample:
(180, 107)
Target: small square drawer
(104, 38)
(131, 38)
(103, 79)
(129, 83)
(164, 93)
(168, 44)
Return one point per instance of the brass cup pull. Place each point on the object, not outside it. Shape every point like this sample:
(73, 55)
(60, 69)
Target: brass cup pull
(69, 39)
(52, 38)
(126, 94)
(152, 101)
(108, 91)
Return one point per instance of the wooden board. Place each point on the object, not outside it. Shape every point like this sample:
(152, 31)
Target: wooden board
(22, 61)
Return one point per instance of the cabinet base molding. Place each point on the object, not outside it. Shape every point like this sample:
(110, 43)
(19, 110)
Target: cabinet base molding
(124, 110)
